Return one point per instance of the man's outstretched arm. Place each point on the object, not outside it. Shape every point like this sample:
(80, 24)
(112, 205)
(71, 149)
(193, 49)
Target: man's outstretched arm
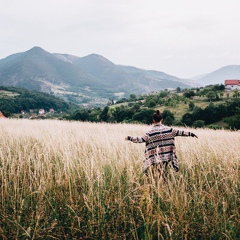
(185, 134)
(135, 139)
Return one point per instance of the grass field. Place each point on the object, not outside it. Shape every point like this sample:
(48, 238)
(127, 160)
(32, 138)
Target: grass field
(73, 180)
(7, 93)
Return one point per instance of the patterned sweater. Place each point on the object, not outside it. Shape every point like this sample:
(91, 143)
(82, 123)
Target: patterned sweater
(160, 145)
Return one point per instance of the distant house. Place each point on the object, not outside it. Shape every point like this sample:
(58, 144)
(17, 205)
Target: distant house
(22, 112)
(41, 111)
(232, 84)
(51, 110)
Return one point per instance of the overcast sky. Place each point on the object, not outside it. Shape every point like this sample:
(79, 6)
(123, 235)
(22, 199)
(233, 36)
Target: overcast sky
(184, 38)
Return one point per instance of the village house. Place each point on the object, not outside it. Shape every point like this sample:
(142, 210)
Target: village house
(41, 111)
(232, 84)
(51, 110)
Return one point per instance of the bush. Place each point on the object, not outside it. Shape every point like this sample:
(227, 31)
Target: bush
(233, 122)
(215, 127)
(168, 121)
(198, 124)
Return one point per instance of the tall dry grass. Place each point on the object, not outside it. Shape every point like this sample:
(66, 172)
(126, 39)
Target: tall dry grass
(72, 180)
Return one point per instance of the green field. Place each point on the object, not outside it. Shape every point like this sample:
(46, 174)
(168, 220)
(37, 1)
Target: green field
(8, 94)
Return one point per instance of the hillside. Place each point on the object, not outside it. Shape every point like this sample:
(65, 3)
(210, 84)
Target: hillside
(40, 70)
(203, 107)
(13, 100)
(90, 79)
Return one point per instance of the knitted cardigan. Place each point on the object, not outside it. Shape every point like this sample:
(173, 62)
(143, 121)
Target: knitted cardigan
(160, 145)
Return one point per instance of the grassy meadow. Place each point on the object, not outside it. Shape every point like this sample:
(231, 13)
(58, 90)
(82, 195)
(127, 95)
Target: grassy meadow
(74, 180)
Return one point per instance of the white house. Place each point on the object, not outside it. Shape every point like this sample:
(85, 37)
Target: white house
(41, 111)
(232, 84)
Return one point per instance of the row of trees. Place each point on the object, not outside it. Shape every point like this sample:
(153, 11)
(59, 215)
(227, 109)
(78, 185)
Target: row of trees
(118, 114)
(126, 114)
(229, 113)
(167, 98)
(198, 117)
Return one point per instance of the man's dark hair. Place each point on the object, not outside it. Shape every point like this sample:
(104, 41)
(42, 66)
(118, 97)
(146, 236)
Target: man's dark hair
(157, 116)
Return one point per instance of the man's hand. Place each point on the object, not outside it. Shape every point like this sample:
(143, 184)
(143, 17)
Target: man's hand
(194, 135)
(128, 138)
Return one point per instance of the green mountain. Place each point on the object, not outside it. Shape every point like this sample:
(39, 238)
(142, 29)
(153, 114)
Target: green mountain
(126, 78)
(92, 78)
(40, 70)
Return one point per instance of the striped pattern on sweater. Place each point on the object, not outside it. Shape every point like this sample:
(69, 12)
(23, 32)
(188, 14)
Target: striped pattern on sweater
(160, 145)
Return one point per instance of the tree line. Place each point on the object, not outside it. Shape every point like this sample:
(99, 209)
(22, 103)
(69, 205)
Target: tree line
(136, 109)
(228, 113)
(198, 117)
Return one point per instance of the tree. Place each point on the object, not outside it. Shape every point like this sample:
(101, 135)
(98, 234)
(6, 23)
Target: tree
(151, 103)
(178, 89)
(119, 114)
(168, 121)
(198, 114)
(235, 94)
(218, 87)
(221, 111)
(187, 119)
(144, 116)
(163, 94)
(166, 113)
(191, 105)
(189, 94)
(210, 95)
(104, 114)
(136, 107)
(133, 97)
(198, 124)
(210, 114)
(94, 115)
(81, 115)
(233, 122)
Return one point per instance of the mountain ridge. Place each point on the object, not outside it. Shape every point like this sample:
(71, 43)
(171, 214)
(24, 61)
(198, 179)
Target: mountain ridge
(92, 76)
(218, 76)
(89, 77)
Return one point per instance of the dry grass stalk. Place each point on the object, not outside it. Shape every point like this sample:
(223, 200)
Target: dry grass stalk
(73, 180)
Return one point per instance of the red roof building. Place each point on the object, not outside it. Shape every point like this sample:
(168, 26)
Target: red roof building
(232, 84)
